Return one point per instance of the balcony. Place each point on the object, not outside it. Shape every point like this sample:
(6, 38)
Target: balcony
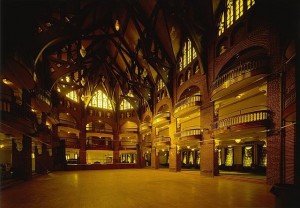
(190, 134)
(71, 143)
(95, 129)
(161, 141)
(259, 118)
(187, 106)
(18, 117)
(239, 77)
(99, 147)
(145, 127)
(161, 119)
(41, 100)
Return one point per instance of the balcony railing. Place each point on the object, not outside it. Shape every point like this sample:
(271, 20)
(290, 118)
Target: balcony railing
(190, 132)
(161, 139)
(290, 96)
(145, 126)
(187, 102)
(242, 118)
(97, 130)
(17, 110)
(66, 122)
(99, 146)
(43, 95)
(161, 118)
(238, 71)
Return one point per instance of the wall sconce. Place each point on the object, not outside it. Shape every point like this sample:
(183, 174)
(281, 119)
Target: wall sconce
(19, 144)
(50, 152)
(75, 155)
(238, 140)
(82, 51)
(117, 25)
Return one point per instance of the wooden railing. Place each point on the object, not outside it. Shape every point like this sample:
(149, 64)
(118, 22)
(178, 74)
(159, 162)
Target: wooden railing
(190, 132)
(17, 110)
(43, 95)
(161, 115)
(97, 130)
(242, 118)
(99, 146)
(161, 139)
(67, 122)
(240, 70)
(290, 96)
(187, 102)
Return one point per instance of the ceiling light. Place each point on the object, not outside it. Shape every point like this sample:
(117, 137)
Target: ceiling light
(2, 145)
(117, 25)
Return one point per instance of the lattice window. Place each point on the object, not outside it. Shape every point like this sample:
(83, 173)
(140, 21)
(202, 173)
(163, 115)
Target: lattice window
(239, 5)
(100, 100)
(72, 95)
(221, 24)
(229, 18)
(125, 105)
(250, 3)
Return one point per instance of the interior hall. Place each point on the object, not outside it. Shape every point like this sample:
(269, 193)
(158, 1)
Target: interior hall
(173, 95)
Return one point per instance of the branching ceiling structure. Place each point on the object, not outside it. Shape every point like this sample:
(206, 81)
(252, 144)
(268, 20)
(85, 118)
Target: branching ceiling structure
(118, 46)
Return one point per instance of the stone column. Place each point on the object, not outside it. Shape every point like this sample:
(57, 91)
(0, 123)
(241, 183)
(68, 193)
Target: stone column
(175, 158)
(41, 159)
(21, 158)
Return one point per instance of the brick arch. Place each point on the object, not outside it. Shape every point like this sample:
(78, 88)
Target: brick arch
(260, 39)
(193, 89)
(244, 55)
(145, 115)
(166, 101)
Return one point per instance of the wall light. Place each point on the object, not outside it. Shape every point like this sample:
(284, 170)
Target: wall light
(117, 25)
(237, 140)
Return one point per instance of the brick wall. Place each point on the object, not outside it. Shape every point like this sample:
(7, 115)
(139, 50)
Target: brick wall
(290, 135)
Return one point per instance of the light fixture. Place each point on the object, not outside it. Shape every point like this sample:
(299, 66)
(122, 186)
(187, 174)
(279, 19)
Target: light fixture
(237, 140)
(1, 146)
(82, 51)
(117, 25)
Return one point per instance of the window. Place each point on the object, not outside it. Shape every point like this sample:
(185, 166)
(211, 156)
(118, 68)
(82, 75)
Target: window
(221, 24)
(184, 55)
(238, 8)
(125, 105)
(250, 3)
(180, 64)
(72, 95)
(161, 84)
(100, 100)
(188, 54)
(229, 19)
(234, 10)
(189, 51)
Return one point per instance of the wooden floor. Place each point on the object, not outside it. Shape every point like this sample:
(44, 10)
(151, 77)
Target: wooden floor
(138, 188)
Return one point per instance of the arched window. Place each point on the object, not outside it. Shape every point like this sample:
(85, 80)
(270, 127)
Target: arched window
(125, 105)
(72, 95)
(234, 10)
(160, 84)
(221, 24)
(100, 100)
(250, 3)
(188, 54)
(239, 8)
(189, 51)
(229, 19)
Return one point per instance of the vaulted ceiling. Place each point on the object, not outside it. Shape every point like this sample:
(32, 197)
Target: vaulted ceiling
(79, 39)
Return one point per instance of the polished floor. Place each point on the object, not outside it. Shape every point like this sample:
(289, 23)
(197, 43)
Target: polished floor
(140, 188)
